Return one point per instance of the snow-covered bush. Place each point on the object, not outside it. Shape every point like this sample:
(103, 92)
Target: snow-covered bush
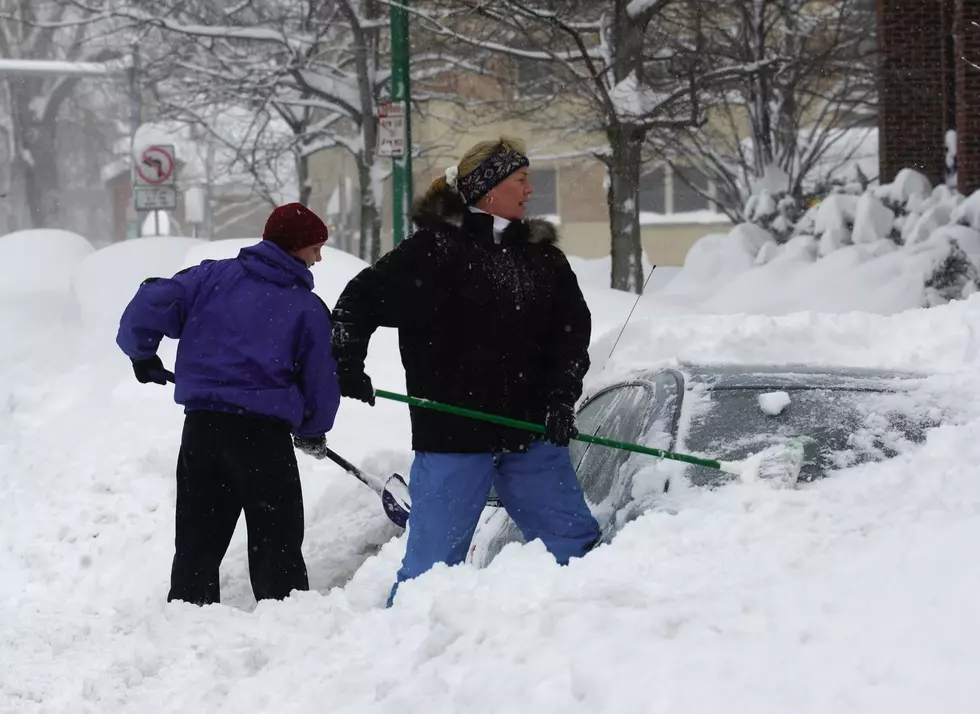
(778, 211)
(910, 213)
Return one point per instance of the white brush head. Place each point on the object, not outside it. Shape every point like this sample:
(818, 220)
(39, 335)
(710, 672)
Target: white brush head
(779, 465)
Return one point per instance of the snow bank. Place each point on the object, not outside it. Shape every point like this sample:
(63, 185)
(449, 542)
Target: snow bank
(107, 279)
(790, 600)
(595, 272)
(717, 259)
(726, 587)
(610, 308)
(41, 260)
(884, 250)
(847, 339)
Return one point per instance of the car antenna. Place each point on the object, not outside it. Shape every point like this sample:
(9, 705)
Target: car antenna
(635, 303)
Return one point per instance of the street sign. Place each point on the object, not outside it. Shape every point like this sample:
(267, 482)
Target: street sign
(156, 166)
(155, 198)
(391, 129)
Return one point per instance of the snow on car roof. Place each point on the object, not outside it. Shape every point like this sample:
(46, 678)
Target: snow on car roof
(730, 376)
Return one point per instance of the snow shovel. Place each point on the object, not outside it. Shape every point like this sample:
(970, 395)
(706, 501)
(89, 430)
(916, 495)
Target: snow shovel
(394, 492)
(780, 463)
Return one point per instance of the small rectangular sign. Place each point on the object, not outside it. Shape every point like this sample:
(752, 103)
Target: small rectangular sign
(155, 198)
(391, 129)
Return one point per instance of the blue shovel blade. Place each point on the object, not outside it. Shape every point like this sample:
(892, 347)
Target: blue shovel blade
(397, 512)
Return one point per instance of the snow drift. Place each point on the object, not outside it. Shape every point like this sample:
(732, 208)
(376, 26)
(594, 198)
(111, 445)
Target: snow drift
(741, 599)
(884, 248)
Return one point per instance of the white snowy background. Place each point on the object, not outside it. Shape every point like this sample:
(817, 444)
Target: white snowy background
(855, 593)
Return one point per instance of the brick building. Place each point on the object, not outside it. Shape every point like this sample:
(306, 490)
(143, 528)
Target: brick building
(929, 84)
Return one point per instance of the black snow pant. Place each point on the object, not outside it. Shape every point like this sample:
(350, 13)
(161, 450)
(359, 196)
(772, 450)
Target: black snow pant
(227, 463)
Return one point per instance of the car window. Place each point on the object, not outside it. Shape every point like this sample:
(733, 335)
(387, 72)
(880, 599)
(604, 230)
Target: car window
(590, 418)
(629, 410)
(838, 427)
(645, 414)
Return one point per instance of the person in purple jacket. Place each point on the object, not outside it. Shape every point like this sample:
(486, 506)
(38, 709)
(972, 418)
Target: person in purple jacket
(253, 366)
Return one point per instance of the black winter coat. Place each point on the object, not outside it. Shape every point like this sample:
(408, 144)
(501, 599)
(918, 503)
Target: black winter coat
(500, 328)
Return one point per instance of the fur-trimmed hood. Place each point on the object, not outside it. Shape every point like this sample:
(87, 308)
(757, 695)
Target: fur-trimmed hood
(441, 209)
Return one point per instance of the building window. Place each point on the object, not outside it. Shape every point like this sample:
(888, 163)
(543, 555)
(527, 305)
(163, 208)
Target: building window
(690, 190)
(653, 190)
(534, 78)
(665, 190)
(544, 200)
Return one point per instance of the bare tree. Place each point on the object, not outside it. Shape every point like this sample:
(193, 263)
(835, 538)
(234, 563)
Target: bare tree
(35, 104)
(791, 122)
(625, 69)
(317, 67)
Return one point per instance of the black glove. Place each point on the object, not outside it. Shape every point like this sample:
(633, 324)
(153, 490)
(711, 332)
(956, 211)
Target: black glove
(151, 370)
(315, 447)
(356, 385)
(559, 425)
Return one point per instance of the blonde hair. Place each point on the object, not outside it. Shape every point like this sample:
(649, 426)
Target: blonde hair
(477, 154)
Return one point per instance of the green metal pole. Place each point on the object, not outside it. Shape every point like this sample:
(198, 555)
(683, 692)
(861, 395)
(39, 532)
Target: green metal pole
(401, 93)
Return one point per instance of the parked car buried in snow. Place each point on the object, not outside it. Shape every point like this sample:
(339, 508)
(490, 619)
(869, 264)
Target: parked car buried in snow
(843, 417)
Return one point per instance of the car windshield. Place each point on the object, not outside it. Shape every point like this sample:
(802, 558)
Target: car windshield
(839, 427)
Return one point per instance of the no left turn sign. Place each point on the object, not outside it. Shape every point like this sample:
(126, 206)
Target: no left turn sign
(156, 166)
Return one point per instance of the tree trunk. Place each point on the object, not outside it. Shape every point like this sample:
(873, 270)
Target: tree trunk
(35, 145)
(303, 178)
(369, 248)
(35, 163)
(41, 180)
(370, 243)
(623, 197)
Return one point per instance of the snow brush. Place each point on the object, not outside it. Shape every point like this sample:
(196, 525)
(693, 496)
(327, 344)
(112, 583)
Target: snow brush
(780, 463)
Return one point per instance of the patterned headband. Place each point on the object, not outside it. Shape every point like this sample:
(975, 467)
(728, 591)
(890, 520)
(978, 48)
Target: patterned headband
(494, 169)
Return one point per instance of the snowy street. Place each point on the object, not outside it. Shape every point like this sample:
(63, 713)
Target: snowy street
(850, 594)
(573, 357)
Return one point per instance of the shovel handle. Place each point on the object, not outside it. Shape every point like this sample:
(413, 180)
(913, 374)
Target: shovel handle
(538, 429)
(371, 482)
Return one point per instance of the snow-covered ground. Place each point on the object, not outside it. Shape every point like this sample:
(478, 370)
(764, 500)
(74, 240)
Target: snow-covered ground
(853, 594)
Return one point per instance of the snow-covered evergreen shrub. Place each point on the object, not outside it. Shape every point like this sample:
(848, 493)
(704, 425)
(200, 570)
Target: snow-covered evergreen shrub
(909, 212)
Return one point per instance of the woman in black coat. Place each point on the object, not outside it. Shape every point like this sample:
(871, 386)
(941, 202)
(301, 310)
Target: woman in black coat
(490, 317)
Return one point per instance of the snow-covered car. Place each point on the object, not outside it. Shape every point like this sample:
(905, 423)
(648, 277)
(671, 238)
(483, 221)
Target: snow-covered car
(843, 416)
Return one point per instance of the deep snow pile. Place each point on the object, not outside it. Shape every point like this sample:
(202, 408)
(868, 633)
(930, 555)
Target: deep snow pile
(106, 280)
(36, 269)
(42, 260)
(884, 248)
(851, 594)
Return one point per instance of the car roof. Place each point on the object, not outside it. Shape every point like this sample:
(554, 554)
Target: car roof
(791, 376)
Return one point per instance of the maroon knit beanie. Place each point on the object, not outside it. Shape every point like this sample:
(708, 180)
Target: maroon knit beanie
(293, 227)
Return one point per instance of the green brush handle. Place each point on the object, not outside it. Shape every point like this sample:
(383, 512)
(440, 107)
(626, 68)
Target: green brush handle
(538, 429)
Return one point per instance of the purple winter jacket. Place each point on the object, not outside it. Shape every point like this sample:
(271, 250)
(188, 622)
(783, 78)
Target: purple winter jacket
(254, 338)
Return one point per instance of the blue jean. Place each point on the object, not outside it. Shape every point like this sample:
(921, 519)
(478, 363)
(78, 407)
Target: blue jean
(538, 488)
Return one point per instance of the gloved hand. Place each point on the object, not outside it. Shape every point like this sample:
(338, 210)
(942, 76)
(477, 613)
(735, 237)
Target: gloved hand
(315, 447)
(559, 424)
(151, 370)
(356, 385)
